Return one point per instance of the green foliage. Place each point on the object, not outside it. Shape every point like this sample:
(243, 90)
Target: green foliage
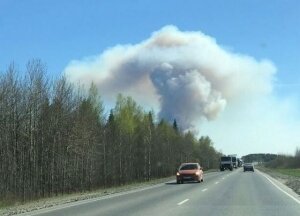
(275, 161)
(96, 103)
(261, 158)
(175, 127)
(55, 139)
(284, 161)
(208, 156)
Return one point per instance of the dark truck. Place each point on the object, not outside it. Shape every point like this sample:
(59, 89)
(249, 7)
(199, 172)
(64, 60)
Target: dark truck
(234, 162)
(240, 162)
(226, 163)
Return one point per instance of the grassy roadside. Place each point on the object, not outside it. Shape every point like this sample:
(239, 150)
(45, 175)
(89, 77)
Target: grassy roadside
(290, 172)
(283, 171)
(289, 177)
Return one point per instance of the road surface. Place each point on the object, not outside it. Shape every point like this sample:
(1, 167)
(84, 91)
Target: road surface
(222, 193)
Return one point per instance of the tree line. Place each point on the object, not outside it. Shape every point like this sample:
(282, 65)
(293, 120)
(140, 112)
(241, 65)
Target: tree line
(56, 138)
(275, 160)
(285, 161)
(260, 157)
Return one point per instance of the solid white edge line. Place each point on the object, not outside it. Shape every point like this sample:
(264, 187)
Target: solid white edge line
(180, 203)
(286, 193)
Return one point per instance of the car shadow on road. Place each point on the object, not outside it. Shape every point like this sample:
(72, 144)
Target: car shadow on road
(171, 183)
(187, 182)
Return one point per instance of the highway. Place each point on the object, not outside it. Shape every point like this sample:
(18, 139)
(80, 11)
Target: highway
(222, 193)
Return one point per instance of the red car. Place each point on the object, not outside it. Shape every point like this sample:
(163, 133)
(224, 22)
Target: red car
(189, 172)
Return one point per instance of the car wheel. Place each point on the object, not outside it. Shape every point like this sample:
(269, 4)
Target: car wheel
(178, 182)
(202, 180)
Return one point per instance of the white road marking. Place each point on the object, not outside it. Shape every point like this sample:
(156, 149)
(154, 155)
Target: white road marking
(223, 178)
(205, 189)
(286, 193)
(180, 203)
(216, 182)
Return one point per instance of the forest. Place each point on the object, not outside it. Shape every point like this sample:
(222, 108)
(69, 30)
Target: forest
(285, 161)
(275, 160)
(57, 138)
(260, 158)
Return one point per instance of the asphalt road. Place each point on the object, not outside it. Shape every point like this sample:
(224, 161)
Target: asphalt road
(222, 193)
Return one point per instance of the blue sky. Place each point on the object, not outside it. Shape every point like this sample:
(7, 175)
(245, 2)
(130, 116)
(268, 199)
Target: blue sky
(59, 31)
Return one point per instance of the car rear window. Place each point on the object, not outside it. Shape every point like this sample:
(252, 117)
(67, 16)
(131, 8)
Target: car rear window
(225, 158)
(189, 167)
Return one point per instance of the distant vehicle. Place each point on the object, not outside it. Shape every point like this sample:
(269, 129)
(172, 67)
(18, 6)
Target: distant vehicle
(226, 163)
(248, 167)
(234, 162)
(189, 172)
(240, 162)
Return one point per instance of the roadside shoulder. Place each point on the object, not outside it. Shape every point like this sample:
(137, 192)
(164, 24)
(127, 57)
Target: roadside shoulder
(280, 185)
(292, 182)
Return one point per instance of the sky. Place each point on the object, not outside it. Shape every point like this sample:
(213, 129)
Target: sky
(61, 32)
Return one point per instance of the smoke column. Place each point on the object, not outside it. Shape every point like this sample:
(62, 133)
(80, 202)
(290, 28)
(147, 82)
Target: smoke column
(185, 75)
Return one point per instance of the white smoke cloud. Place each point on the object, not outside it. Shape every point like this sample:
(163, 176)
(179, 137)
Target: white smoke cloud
(264, 124)
(185, 75)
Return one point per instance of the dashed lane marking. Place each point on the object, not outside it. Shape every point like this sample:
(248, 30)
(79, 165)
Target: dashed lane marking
(184, 201)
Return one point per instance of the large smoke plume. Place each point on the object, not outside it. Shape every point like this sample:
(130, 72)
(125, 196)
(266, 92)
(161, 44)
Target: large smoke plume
(185, 75)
